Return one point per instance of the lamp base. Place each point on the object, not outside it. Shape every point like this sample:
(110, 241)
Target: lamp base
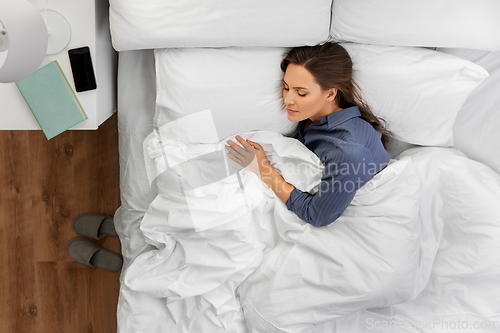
(59, 31)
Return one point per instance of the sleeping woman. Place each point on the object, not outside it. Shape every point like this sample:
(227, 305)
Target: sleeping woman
(334, 122)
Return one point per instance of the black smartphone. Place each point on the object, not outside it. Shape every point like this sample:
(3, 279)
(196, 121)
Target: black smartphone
(83, 71)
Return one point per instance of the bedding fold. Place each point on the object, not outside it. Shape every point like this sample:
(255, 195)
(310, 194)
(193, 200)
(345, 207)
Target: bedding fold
(458, 255)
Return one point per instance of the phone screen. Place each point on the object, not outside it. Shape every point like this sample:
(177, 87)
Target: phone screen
(83, 71)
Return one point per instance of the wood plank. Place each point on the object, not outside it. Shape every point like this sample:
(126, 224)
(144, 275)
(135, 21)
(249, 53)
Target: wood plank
(53, 194)
(17, 235)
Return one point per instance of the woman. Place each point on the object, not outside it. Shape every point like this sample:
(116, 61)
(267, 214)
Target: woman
(334, 123)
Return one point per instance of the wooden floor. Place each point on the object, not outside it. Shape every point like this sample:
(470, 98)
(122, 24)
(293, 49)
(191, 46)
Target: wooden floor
(44, 185)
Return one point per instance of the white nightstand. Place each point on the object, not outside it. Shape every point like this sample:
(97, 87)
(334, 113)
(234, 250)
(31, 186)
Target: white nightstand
(89, 21)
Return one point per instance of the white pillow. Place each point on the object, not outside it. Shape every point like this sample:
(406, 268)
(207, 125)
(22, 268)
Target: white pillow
(476, 131)
(241, 87)
(147, 24)
(417, 91)
(473, 24)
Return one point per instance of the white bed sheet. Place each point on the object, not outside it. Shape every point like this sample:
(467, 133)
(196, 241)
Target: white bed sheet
(136, 105)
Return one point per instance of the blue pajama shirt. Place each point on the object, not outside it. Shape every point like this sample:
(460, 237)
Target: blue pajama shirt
(352, 153)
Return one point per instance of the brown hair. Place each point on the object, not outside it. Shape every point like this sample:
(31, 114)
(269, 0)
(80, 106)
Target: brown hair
(331, 66)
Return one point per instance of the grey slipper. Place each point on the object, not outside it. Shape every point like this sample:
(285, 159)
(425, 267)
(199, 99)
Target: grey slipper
(91, 254)
(96, 226)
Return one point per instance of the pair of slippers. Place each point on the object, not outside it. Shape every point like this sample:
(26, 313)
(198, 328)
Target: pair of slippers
(84, 251)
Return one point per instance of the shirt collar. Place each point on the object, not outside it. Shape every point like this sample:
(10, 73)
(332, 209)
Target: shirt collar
(336, 118)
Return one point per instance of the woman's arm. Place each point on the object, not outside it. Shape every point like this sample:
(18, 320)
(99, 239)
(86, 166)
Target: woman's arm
(253, 158)
(275, 181)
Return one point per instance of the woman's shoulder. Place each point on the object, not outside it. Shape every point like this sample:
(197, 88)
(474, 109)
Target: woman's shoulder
(340, 150)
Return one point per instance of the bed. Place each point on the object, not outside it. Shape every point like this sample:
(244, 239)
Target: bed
(207, 249)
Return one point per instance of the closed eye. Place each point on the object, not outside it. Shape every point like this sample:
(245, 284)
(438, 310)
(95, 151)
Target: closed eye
(285, 87)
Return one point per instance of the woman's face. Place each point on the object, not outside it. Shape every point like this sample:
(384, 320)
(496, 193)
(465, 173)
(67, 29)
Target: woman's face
(304, 98)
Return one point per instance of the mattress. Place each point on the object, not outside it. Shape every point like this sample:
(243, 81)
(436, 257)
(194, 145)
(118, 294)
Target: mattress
(142, 312)
(208, 248)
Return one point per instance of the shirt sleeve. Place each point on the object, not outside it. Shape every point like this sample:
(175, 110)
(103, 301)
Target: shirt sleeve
(346, 170)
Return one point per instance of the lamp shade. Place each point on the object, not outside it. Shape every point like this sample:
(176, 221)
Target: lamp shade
(27, 39)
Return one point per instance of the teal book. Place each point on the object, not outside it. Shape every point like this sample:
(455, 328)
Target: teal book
(51, 100)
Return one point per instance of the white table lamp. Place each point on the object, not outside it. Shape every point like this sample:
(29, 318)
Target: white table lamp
(23, 40)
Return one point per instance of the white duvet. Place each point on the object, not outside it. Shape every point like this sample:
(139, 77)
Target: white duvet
(419, 240)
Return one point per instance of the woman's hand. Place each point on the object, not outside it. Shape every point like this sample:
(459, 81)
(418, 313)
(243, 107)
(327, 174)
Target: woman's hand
(251, 156)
